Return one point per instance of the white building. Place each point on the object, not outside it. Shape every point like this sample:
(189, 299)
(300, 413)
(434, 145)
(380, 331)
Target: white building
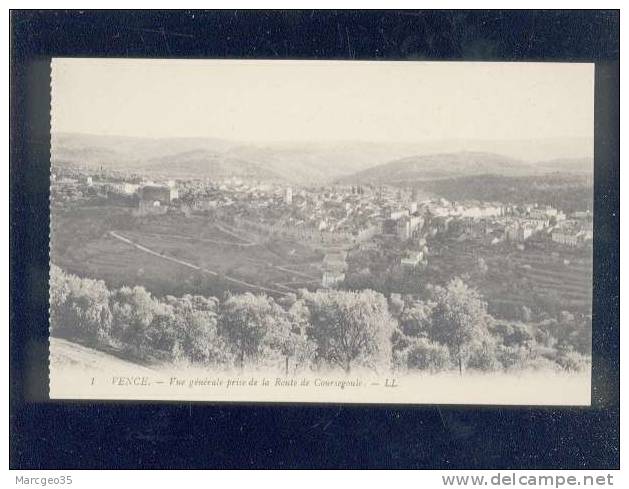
(332, 278)
(396, 214)
(125, 188)
(581, 214)
(545, 212)
(518, 232)
(566, 238)
(412, 259)
(334, 266)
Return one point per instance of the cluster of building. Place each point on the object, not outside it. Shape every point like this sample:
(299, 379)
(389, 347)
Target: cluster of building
(404, 221)
(341, 218)
(574, 232)
(495, 223)
(156, 198)
(150, 196)
(511, 225)
(75, 187)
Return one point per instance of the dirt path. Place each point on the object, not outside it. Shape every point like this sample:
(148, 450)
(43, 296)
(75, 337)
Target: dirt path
(163, 256)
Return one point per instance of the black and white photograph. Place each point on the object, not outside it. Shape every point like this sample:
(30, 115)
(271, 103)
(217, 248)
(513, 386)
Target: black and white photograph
(274, 241)
(321, 231)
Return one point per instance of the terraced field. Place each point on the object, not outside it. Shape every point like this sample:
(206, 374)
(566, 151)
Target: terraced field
(185, 255)
(541, 277)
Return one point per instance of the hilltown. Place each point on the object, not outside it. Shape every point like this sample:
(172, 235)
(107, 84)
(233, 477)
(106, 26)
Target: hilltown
(336, 219)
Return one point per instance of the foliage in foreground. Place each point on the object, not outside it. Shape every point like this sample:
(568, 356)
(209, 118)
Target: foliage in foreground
(328, 329)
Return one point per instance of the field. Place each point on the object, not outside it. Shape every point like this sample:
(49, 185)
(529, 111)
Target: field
(543, 276)
(176, 255)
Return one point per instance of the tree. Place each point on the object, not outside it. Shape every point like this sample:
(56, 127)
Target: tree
(79, 307)
(415, 320)
(296, 343)
(513, 334)
(245, 320)
(396, 305)
(193, 330)
(351, 327)
(287, 340)
(514, 357)
(459, 316)
(59, 288)
(164, 331)
(573, 361)
(133, 312)
(424, 354)
(482, 354)
(581, 335)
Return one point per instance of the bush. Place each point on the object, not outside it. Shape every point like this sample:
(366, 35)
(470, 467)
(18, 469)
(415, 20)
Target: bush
(541, 363)
(335, 329)
(512, 334)
(573, 361)
(482, 356)
(459, 319)
(512, 357)
(79, 308)
(351, 328)
(522, 359)
(424, 354)
(415, 320)
(248, 324)
(190, 331)
(134, 310)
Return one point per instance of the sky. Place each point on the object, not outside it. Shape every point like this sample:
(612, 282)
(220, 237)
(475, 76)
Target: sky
(265, 101)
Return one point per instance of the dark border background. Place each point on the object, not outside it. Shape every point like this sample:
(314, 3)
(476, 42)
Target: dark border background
(68, 435)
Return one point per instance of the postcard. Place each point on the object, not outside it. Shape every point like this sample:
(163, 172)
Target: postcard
(321, 231)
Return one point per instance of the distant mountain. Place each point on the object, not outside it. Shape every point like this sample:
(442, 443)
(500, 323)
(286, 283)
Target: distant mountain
(309, 163)
(202, 163)
(568, 165)
(321, 162)
(119, 152)
(443, 165)
(302, 163)
(566, 191)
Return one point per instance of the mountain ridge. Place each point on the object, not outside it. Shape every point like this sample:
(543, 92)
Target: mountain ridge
(463, 163)
(291, 162)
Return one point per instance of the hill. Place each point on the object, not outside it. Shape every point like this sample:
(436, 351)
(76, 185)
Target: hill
(566, 191)
(173, 157)
(584, 166)
(300, 163)
(202, 163)
(431, 167)
(443, 165)
(311, 163)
